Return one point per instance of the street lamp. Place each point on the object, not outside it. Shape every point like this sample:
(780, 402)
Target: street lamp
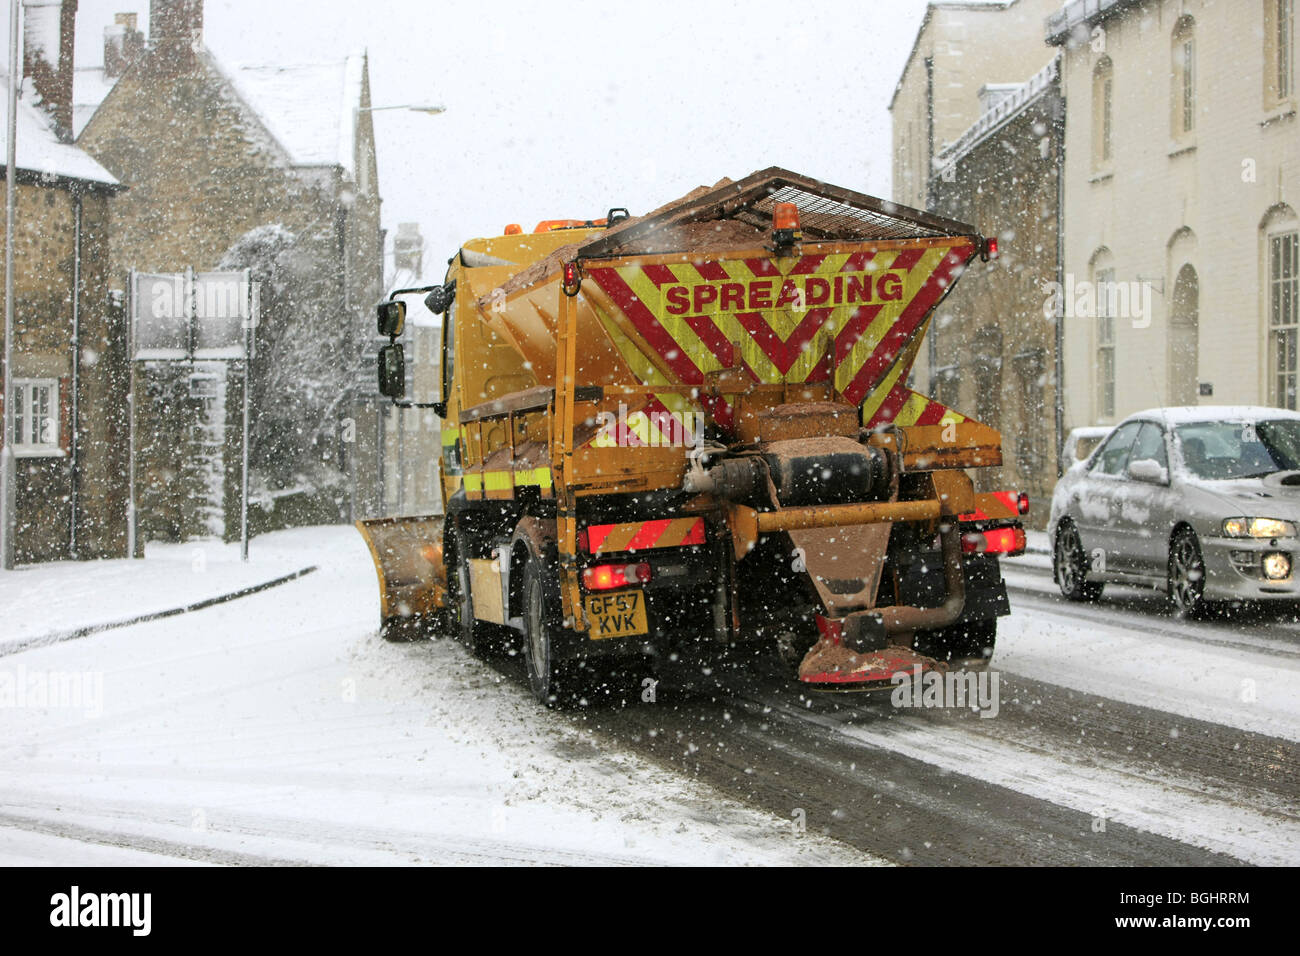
(414, 108)
(8, 464)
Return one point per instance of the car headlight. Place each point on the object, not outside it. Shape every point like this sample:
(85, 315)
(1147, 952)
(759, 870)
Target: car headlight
(1258, 528)
(1277, 566)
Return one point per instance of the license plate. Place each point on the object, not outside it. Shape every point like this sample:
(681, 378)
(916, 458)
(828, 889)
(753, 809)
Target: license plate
(616, 615)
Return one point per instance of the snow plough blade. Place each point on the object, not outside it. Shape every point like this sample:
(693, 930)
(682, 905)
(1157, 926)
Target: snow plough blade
(412, 580)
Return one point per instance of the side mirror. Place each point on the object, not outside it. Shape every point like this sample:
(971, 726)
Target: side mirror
(392, 371)
(392, 317)
(1148, 469)
(439, 299)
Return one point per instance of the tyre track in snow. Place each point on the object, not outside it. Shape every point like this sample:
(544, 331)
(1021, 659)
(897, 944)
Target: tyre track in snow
(873, 798)
(913, 787)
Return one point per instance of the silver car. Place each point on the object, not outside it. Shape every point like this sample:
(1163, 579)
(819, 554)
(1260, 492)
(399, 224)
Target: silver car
(1203, 502)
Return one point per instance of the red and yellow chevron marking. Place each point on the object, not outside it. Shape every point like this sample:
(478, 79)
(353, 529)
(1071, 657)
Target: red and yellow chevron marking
(994, 505)
(902, 406)
(643, 535)
(861, 313)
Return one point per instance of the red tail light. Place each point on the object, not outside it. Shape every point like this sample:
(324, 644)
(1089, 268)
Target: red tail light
(1022, 502)
(572, 279)
(603, 577)
(990, 249)
(996, 541)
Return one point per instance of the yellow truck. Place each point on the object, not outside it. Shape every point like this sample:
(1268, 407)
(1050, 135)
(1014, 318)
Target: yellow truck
(689, 437)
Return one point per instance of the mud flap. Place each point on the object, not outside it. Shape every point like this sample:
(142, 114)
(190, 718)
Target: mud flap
(412, 578)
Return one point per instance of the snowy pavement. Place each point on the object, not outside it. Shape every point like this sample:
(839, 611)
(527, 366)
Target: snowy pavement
(279, 728)
(46, 601)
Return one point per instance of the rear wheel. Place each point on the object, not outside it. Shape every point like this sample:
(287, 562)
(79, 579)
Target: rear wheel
(1187, 574)
(541, 618)
(1070, 564)
(476, 635)
(967, 641)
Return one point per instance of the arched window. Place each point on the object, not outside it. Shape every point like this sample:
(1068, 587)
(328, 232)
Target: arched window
(1281, 241)
(1183, 72)
(1279, 52)
(986, 349)
(1102, 113)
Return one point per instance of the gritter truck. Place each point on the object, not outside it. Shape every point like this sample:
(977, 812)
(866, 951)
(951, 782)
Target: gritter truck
(690, 436)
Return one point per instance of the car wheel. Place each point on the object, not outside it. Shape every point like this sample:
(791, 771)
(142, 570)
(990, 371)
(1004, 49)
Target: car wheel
(1070, 565)
(1187, 575)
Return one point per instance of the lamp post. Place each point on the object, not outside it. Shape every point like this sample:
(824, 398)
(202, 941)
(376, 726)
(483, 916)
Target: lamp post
(8, 465)
(414, 108)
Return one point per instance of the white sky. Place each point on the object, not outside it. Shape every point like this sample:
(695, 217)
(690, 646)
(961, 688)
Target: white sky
(564, 110)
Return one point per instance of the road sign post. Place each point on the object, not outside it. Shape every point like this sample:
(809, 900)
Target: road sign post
(192, 316)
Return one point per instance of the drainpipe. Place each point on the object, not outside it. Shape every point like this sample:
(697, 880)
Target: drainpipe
(1059, 358)
(76, 375)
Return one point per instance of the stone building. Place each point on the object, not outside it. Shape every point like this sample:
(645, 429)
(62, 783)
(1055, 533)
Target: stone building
(68, 394)
(992, 350)
(977, 136)
(966, 56)
(1182, 186)
(279, 159)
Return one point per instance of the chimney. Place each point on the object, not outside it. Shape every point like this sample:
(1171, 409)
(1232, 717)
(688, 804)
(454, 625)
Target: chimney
(49, 28)
(175, 33)
(123, 44)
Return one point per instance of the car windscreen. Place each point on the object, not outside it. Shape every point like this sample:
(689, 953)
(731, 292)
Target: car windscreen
(1225, 450)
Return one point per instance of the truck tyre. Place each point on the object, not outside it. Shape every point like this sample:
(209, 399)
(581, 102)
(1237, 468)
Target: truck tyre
(1070, 566)
(541, 619)
(1187, 575)
(965, 641)
(478, 636)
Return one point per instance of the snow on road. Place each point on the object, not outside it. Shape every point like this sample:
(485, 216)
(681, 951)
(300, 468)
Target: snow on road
(1157, 666)
(278, 728)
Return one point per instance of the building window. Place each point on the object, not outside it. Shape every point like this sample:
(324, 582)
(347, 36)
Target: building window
(1184, 77)
(1279, 51)
(1031, 442)
(35, 410)
(1102, 113)
(1105, 284)
(947, 386)
(1283, 315)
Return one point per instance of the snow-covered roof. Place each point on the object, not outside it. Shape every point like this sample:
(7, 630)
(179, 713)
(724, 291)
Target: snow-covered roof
(1082, 14)
(311, 108)
(1189, 414)
(89, 87)
(999, 115)
(39, 150)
